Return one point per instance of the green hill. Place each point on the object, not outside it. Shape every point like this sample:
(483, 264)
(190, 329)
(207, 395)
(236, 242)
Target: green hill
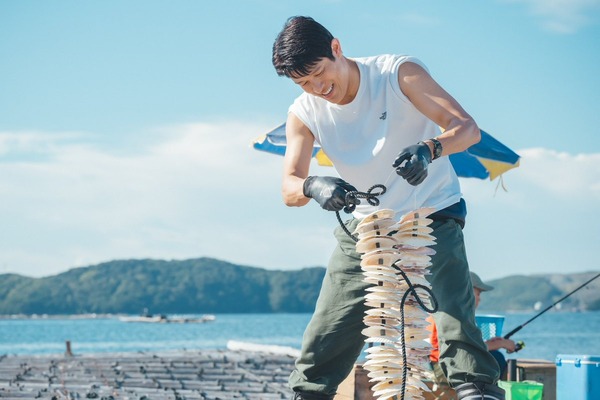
(201, 285)
(206, 285)
(522, 292)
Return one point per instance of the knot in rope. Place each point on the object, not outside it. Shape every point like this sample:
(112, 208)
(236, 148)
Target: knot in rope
(369, 195)
(351, 201)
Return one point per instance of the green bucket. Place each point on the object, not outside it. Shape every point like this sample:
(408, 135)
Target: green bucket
(525, 390)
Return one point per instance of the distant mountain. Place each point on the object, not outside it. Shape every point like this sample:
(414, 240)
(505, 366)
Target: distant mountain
(207, 285)
(523, 292)
(201, 285)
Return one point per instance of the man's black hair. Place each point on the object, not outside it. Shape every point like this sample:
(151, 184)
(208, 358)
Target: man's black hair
(301, 44)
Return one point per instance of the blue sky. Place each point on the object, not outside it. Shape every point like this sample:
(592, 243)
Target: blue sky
(125, 128)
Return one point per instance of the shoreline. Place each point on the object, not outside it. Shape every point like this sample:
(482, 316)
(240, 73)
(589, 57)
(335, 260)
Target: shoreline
(18, 317)
(88, 316)
(232, 345)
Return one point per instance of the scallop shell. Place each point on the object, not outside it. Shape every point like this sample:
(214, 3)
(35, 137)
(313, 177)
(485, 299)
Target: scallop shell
(382, 280)
(383, 289)
(393, 383)
(380, 331)
(386, 312)
(375, 243)
(417, 214)
(384, 297)
(374, 265)
(392, 353)
(385, 258)
(382, 366)
(379, 214)
(388, 323)
(376, 272)
(381, 303)
(385, 394)
(414, 241)
(411, 228)
(378, 232)
(415, 234)
(426, 251)
(380, 339)
(413, 223)
(380, 224)
(378, 372)
(415, 258)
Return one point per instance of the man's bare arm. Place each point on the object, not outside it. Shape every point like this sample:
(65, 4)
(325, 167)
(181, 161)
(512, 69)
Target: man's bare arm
(459, 130)
(296, 163)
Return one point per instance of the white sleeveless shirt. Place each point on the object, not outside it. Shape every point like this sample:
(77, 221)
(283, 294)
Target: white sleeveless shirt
(364, 137)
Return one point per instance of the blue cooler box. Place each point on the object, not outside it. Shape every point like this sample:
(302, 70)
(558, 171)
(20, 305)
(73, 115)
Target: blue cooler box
(577, 377)
(490, 325)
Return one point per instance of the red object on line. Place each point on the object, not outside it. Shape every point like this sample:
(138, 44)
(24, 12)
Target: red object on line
(434, 356)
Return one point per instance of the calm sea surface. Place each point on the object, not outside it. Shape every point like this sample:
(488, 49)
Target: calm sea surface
(551, 334)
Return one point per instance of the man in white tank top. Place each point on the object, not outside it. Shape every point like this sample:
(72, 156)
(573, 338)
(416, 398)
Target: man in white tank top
(377, 119)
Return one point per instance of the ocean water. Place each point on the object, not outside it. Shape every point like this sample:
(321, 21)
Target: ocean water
(551, 334)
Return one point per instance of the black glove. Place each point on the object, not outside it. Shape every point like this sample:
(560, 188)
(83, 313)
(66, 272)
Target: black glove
(329, 192)
(417, 157)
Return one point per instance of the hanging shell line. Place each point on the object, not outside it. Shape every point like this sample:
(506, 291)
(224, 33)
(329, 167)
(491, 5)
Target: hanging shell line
(395, 260)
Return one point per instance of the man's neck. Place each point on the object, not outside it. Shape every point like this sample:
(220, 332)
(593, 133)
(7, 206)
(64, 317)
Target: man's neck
(353, 74)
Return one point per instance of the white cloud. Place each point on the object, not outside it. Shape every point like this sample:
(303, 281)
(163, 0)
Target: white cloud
(563, 174)
(201, 190)
(543, 223)
(32, 142)
(562, 16)
(560, 175)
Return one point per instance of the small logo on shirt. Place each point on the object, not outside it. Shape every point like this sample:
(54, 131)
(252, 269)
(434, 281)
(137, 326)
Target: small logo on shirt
(383, 116)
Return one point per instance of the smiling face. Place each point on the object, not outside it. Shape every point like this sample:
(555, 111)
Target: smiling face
(335, 80)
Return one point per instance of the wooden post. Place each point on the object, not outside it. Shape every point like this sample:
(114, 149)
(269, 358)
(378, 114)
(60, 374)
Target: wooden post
(511, 370)
(68, 352)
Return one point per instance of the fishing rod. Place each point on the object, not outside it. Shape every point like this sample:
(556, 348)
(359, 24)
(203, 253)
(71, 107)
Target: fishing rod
(518, 328)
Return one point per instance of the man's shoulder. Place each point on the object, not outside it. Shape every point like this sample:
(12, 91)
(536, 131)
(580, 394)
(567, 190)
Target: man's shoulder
(385, 63)
(381, 59)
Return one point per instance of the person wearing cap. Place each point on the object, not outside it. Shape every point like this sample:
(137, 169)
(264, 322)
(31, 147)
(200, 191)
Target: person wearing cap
(494, 344)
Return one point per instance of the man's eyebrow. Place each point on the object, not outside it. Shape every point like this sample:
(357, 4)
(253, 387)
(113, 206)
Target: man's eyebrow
(298, 79)
(313, 70)
(316, 69)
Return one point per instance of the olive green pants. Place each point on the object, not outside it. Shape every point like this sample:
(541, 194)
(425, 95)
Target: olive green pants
(333, 341)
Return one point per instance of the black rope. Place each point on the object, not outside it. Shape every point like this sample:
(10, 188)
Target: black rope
(350, 201)
(411, 289)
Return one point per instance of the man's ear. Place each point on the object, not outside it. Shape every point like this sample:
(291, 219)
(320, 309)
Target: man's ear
(336, 48)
